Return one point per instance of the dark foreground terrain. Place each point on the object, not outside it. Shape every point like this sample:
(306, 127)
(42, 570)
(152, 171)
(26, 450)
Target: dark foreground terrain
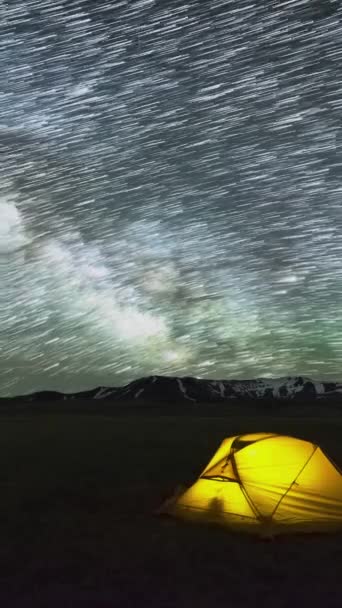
(77, 522)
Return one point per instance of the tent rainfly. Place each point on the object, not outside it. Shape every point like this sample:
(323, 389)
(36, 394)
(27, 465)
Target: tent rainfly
(265, 484)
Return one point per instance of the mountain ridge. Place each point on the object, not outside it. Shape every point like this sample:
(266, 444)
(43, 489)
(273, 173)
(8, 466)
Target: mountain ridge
(197, 390)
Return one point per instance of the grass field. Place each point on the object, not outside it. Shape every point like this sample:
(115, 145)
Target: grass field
(77, 522)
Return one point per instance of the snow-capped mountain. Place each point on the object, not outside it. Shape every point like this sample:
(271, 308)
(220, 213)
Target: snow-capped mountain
(164, 389)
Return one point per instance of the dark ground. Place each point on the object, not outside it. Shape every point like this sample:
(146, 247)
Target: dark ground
(77, 522)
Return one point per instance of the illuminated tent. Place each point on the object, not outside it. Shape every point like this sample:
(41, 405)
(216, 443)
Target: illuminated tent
(265, 484)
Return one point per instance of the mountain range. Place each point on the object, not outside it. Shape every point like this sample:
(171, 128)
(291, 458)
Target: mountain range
(165, 389)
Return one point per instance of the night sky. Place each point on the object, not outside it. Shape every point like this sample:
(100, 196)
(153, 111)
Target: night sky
(170, 191)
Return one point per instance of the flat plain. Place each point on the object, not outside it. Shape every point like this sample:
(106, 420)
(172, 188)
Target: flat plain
(78, 522)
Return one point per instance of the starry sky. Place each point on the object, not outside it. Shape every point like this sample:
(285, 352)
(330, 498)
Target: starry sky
(170, 191)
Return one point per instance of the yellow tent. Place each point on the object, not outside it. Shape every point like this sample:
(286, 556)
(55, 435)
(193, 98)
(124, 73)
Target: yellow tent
(265, 484)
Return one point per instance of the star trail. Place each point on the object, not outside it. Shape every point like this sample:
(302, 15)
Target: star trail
(170, 191)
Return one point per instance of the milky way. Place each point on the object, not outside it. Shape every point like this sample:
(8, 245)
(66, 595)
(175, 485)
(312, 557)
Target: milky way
(170, 191)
